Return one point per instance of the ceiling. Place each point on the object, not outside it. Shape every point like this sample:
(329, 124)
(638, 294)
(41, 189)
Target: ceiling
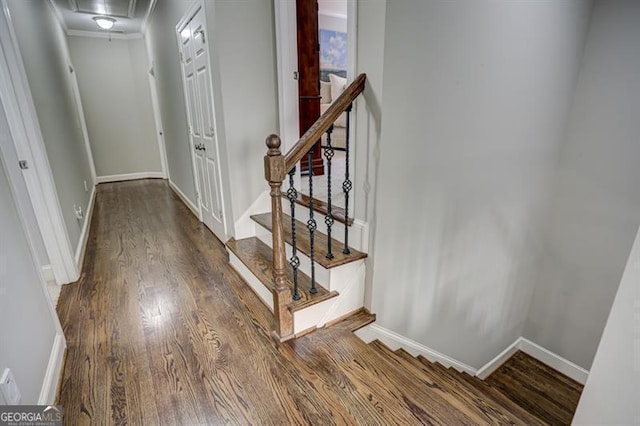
(131, 15)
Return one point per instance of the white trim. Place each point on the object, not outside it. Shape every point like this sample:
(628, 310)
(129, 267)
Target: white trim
(157, 115)
(245, 226)
(129, 176)
(84, 235)
(184, 198)
(28, 139)
(181, 23)
(554, 361)
(265, 295)
(487, 369)
(48, 275)
(147, 16)
(394, 341)
(333, 15)
(54, 371)
(107, 35)
(83, 123)
(56, 11)
(287, 64)
(132, 9)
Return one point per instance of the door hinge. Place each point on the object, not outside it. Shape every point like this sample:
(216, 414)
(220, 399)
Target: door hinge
(23, 164)
(318, 47)
(296, 75)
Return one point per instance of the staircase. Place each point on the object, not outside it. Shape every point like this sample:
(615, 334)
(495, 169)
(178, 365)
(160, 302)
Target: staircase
(304, 271)
(522, 391)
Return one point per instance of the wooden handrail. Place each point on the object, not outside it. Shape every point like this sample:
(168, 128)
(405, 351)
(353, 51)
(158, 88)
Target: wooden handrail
(276, 168)
(323, 123)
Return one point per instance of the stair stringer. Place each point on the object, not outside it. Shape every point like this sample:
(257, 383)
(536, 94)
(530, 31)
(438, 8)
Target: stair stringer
(245, 227)
(256, 285)
(350, 298)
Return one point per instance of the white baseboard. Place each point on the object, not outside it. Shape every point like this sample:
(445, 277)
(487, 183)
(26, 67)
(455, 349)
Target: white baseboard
(554, 361)
(185, 199)
(48, 275)
(486, 370)
(84, 235)
(54, 371)
(394, 341)
(130, 176)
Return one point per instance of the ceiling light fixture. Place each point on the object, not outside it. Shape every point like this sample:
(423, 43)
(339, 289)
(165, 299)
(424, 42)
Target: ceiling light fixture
(104, 22)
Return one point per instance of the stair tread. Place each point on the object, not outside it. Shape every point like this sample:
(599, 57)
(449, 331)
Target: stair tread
(490, 391)
(427, 407)
(354, 321)
(258, 258)
(322, 207)
(532, 385)
(450, 379)
(304, 244)
(483, 408)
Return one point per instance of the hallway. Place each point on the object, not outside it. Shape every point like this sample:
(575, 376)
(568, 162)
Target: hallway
(161, 330)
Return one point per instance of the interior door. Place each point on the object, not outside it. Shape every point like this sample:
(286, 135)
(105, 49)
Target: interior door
(200, 112)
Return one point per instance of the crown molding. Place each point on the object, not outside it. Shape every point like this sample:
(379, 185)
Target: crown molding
(107, 35)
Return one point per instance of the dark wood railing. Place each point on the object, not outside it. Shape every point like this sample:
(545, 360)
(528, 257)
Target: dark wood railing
(277, 167)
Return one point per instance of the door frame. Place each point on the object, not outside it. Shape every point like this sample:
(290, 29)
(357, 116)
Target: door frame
(287, 65)
(158, 120)
(194, 171)
(83, 124)
(224, 177)
(27, 138)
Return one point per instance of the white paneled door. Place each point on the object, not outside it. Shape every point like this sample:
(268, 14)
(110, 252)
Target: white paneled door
(196, 73)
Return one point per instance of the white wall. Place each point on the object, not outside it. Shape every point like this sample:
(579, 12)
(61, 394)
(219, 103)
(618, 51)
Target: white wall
(612, 392)
(331, 22)
(472, 126)
(43, 48)
(242, 52)
(161, 42)
(27, 329)
(245, 92)
(114, 87)
(370, 36)
(596, 206)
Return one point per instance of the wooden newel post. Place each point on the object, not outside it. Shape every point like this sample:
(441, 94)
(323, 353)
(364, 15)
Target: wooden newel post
(275, 173)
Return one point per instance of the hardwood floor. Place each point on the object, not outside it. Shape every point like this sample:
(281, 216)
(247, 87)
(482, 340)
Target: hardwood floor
(161, 330)
(540, 389)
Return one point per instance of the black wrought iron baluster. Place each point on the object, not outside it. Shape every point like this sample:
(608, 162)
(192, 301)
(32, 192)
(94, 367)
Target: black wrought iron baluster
(311, 224)
(347, 185)
(328, 219)
(292, 195)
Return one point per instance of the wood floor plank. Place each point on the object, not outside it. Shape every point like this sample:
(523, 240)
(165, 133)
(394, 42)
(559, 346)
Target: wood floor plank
(162, 330)
(538, 388)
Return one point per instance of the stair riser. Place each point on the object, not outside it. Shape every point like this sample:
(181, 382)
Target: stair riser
(332, 279)
(358, 231)
(315, 316)
(256, 285)
(350, 299)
